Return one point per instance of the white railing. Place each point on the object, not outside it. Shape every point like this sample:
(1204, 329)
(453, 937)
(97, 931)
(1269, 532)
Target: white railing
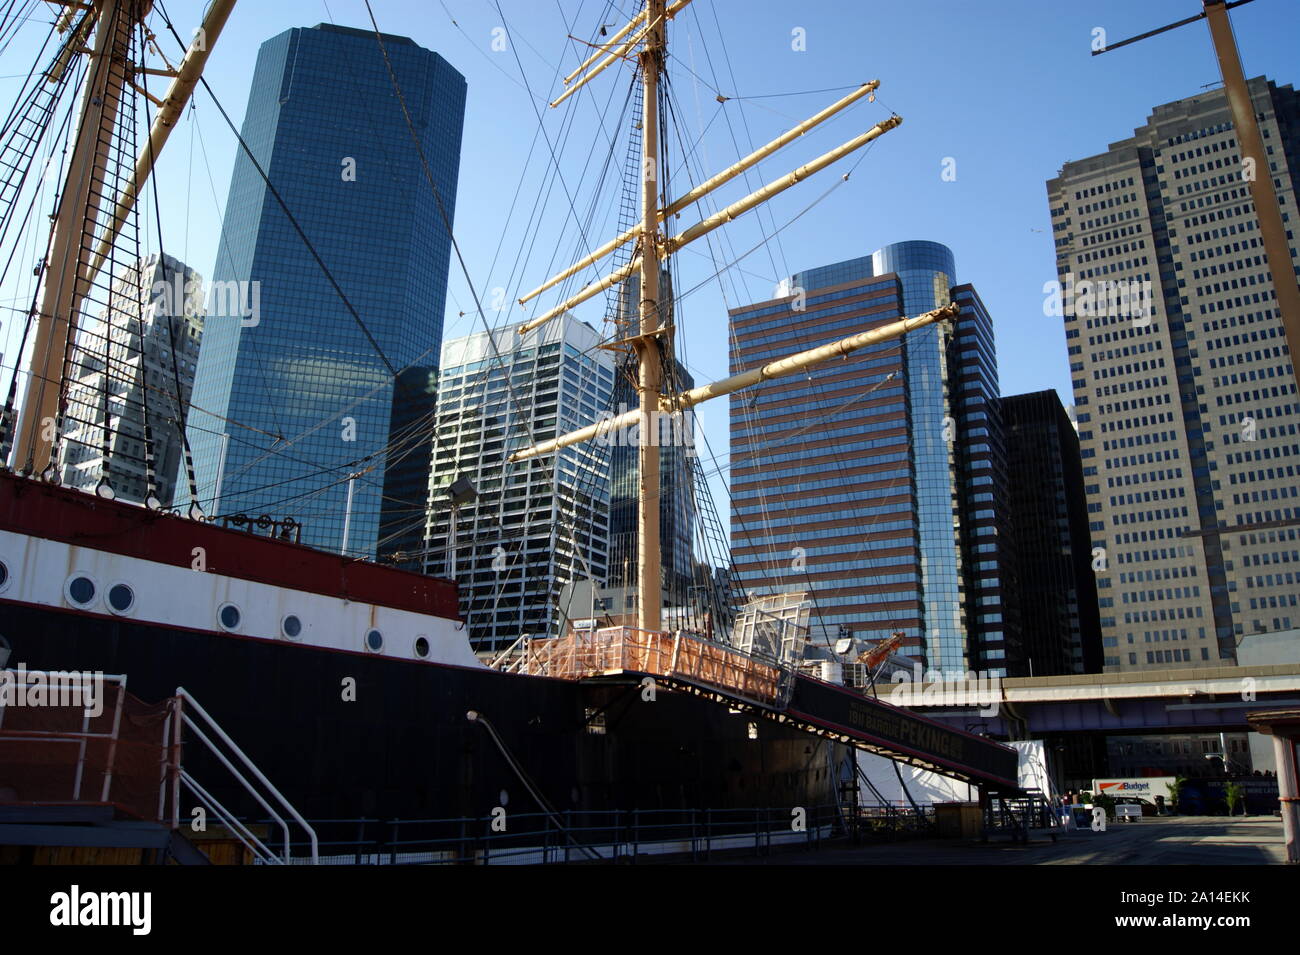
(514, 657)
(186, 702)
(228, 819)
(59, 684)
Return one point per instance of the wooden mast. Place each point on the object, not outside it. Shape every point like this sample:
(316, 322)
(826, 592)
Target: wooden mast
(648, 349)
(1255, 167)
(66, 279)
(1259, 177)
(74, 259)
(650, 342)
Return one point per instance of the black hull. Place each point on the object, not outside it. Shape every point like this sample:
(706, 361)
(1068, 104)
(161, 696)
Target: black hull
(404, 749)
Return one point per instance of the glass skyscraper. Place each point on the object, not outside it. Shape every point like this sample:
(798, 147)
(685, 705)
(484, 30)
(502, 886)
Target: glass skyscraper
(870, 482)
(292, 395)
(1049, 516)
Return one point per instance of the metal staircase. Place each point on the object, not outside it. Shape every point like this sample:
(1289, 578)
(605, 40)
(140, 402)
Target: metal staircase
(1020, 813)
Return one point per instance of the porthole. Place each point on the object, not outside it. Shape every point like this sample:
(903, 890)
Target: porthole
(228, 616)
(121, 598)
(4, 576)
(374, 640)
(422, 647)
(80, 590)
(291, 627)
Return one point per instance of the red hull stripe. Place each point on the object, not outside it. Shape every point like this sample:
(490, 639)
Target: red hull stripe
(37, 509)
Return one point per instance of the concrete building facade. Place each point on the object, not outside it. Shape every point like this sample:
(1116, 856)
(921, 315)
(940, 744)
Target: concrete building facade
(139, 359)
(534, 526)
(1183, 384)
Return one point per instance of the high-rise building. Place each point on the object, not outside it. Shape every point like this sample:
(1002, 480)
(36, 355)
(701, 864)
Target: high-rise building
(1183, 384)
(872, 483)
(139, 360)
(677, 501)
(1056, 590)
(297, 389)
(522, 531)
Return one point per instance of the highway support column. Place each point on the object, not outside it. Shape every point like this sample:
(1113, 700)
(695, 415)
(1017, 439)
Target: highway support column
(1284, 727)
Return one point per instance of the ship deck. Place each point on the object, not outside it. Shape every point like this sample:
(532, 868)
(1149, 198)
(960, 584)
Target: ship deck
(735, 679)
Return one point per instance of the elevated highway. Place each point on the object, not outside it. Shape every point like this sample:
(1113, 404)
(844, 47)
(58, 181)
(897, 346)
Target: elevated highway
(1163, 701)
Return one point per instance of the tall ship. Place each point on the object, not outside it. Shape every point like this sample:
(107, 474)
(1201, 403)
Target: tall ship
(295, 693)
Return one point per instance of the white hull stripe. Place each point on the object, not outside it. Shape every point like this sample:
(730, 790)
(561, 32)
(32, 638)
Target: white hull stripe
(42, 572)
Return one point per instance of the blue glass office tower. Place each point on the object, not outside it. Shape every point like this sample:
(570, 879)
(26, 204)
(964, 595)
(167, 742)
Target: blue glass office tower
(291, 395)
(994, 598)
(871, 482)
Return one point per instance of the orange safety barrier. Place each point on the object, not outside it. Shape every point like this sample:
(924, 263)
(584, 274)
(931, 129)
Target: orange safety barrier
(682, 656)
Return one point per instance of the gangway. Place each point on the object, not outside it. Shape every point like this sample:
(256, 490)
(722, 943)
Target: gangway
(770, 689)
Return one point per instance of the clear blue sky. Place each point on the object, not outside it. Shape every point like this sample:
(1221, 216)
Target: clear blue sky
(1007, 90)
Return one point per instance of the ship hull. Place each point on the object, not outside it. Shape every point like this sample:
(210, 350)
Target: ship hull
(347, 735)
(360, 709)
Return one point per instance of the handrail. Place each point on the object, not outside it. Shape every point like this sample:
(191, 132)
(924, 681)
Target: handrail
(475, 717)
(505, 654)
(182, 693)
(242, 781)
(608, 836)
(242, 832)
(66, 680)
